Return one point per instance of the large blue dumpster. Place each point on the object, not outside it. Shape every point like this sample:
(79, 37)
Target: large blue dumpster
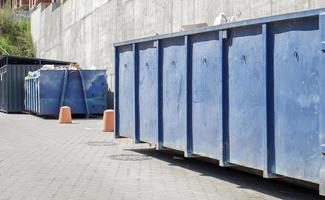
(249, 93)
(83, 90)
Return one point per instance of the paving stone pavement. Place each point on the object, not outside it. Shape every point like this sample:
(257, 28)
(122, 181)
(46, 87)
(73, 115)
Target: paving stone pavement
(41, 159)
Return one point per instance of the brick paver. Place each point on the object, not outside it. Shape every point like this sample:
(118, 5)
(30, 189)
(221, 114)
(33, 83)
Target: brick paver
(41, 159)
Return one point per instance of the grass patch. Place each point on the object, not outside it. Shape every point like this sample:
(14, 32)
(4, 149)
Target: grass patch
(15, 34)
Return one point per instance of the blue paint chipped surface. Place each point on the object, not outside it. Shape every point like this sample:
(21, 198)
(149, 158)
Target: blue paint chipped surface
(207, 94)
(126, 90)
(247, 97)
(174, 93)
(296, 71)
(148, 92)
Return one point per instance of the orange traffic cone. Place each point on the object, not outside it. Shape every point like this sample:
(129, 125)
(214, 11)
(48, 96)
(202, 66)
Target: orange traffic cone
(65, 115)
(108, 121)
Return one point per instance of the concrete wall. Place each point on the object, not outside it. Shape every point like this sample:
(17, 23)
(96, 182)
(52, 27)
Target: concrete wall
(84, 30)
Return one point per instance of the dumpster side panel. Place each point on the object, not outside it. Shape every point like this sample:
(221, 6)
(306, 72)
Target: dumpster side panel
(46, 92)
(148, 92)
(37, 82)
(35, 92)
(32, 91)
(26, 101)
(50, 87)
(174, 92)
(207, 94)
(296, 90)
(74, 94)
(96, 90)
(126, 91)
(247, 96)
(29, 85)
(27, 95)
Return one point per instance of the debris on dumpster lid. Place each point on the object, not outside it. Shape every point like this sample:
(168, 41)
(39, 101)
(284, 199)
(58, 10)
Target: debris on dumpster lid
(72, 66)
(36, 73)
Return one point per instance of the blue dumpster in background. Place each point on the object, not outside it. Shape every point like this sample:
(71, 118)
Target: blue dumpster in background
(249, 93)
(83, 90)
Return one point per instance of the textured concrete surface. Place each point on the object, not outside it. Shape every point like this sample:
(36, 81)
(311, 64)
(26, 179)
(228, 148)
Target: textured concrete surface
(84, 30)
(40, 159)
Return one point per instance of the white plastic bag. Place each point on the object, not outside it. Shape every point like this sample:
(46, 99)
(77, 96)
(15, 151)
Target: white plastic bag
(220, 19)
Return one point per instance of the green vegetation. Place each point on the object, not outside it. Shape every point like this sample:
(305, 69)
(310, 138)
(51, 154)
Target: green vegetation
(15, 34)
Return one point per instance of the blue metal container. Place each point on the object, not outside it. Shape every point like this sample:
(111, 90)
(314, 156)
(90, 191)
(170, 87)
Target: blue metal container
(84, 91)
(247, 93)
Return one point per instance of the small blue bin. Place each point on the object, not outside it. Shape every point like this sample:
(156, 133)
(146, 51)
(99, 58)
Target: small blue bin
(84, 91)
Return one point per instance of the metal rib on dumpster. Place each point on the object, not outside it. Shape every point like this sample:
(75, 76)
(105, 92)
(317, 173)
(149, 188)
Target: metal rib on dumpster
(84, 93)
(64, 87)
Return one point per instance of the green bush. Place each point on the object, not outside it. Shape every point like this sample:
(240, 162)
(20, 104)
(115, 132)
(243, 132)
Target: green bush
(15, 34)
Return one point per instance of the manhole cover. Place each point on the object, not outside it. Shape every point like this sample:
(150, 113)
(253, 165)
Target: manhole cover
(101, 143)
(129, 157)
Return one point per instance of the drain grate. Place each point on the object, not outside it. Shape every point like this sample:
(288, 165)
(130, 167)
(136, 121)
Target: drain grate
(129, 157)
(101, 143)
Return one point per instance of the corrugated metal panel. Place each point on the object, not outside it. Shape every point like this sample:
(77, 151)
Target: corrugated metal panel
(12, 87)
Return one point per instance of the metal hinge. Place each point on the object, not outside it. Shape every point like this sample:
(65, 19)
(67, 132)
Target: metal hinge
(1, 74)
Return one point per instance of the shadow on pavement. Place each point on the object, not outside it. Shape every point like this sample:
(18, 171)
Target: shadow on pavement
(272, 187)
